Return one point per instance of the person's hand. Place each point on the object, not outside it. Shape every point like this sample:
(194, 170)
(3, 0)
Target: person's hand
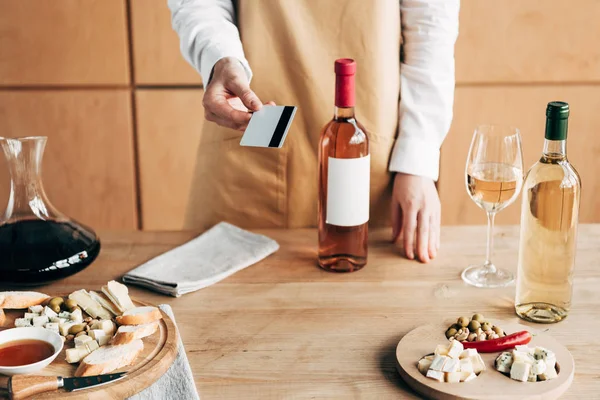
(416, 213)
(228, 97)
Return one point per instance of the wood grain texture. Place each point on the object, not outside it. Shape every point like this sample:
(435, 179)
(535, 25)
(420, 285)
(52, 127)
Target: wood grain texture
(524, 108)
(156, 55)
(489, 384)
(528, 41)
(160, 350)
(285, 329)
(25, 386)
(63, 42)
(169, 127)
(88, 167)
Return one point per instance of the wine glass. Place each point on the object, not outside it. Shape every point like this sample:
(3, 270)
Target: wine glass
(494, 176)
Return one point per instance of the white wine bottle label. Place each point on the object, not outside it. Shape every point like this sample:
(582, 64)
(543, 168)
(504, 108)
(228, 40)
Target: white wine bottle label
(348, 191)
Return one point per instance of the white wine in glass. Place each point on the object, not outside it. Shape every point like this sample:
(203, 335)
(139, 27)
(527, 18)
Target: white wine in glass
(494, 176)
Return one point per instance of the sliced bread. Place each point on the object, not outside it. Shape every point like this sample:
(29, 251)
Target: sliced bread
(109, 358)
(2, 318)
(20, 300)
(139, 316)
(105, 302)
(129, 333)
(119, 295)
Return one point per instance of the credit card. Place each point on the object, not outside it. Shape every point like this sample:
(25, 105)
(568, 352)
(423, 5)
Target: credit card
(269, 126)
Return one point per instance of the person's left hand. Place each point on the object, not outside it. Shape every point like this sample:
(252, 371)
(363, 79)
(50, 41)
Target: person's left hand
(416, 213)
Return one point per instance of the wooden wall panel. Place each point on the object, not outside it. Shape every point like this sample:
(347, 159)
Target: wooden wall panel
(528, 41)
(63, 42)
(169, 127)
(88, 168)
(523, 107)
(157, 58)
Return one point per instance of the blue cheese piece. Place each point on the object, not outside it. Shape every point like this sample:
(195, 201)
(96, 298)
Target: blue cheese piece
(451, 365)
(40, 321)
(455, 349)
(29, 315)
(519, 356)
(49, 312)
(504, 362)
(524, 348)
(65, 314)
(539, 367)
(52, 326)
(548, 356)
(36, 309)
(520, 371)
(548, 374)
(23, 323)
(438, 363)
(436, 375)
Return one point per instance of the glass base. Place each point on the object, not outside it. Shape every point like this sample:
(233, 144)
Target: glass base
(481, 276)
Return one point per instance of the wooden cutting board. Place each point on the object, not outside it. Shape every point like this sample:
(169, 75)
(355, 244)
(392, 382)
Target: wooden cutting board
(490, 384)
(160, 350)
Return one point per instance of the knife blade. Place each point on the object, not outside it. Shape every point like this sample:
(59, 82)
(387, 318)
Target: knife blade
(23, 386)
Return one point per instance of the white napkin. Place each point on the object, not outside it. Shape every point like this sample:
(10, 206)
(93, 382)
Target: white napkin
(211, 257)
(177, 382)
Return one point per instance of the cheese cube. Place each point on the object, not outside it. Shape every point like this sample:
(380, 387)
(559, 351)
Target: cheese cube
(91, 345)
(504, 362)
(451, 365)
(52, 326)
(469, 377)
(77, 315)
(455, 349)
(64, 328)
(548, 374)
(453, 377)
(423, 365)
(435, 375)
(76, 354)
(468, 353)
(23, 323)
(520, 371)
(548, 356)
(106, 325)
(478, 364)
(466, 365)
(519, 356)
(29, 315)
(96, 333)
(80, 341)
(103, 340)
(441, 350)
(36, 309)
(538, 367)
(49, 312)
(524, 348)
(438, 363)
(40, 321)
(65, 314)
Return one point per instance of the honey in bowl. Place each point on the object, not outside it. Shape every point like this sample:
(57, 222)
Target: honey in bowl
(24, 352)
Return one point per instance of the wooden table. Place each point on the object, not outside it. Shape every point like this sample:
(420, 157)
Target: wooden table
(284, 329)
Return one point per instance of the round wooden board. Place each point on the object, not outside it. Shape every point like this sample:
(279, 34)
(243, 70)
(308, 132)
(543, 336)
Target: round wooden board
(490, 384)
(160, 350)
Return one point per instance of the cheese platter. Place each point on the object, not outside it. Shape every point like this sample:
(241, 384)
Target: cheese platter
(104, 332)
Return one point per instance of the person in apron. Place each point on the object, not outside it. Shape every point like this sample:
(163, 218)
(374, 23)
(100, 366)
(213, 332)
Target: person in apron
(404, 51)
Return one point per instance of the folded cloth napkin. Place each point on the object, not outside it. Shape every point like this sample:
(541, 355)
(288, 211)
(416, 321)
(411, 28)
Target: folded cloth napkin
(177, 382)
(211, 257)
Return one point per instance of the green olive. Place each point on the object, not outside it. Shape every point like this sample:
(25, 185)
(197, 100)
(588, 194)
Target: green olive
(450, 332)
(75, 329)
(486, 327)
(497, 330)
(55, 308)
(463, 321)
(474, 325)
(479, 318)
(455, 326)
(70, 304)
(56, 301)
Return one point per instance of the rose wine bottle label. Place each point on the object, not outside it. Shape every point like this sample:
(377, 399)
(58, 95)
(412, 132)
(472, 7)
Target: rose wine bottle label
(348, 191)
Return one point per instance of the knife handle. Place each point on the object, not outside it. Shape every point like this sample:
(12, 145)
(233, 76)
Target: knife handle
(23, 386)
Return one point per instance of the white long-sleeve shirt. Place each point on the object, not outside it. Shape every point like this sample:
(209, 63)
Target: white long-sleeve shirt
(429, 30)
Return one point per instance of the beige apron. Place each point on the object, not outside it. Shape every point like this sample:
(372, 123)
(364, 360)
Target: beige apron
(291, 46)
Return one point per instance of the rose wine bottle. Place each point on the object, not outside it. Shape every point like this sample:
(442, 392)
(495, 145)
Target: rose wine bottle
(549, 215)
(344, 171)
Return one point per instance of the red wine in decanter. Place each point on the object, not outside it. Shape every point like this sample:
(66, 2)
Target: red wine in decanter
(344, 170)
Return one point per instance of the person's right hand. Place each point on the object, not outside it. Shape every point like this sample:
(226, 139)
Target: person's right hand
(228, 98)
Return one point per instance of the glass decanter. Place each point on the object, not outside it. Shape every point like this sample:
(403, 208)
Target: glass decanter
(38, 244)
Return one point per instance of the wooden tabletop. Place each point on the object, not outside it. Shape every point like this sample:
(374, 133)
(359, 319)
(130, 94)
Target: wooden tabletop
(284, 329)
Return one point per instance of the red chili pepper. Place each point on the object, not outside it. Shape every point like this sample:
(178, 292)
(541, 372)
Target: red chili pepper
(500, 344)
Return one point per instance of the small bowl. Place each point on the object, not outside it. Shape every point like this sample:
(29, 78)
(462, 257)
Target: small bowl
(46, 335)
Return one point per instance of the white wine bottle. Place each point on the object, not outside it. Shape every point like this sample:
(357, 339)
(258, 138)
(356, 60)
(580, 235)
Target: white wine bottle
(549, 215)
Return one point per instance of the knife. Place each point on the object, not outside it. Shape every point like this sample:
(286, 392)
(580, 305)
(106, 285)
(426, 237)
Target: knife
(22, 386)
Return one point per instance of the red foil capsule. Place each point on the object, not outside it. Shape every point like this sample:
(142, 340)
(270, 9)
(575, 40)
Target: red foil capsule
(345, 68)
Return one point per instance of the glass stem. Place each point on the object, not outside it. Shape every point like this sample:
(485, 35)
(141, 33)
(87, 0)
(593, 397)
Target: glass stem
(490, 243)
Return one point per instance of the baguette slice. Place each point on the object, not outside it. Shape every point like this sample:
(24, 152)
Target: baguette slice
(89, 305)
(139, 316)
(129, 333)
(105, 302)
(109, 358)
(119, 295)
(20, 300)
(2, 318)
